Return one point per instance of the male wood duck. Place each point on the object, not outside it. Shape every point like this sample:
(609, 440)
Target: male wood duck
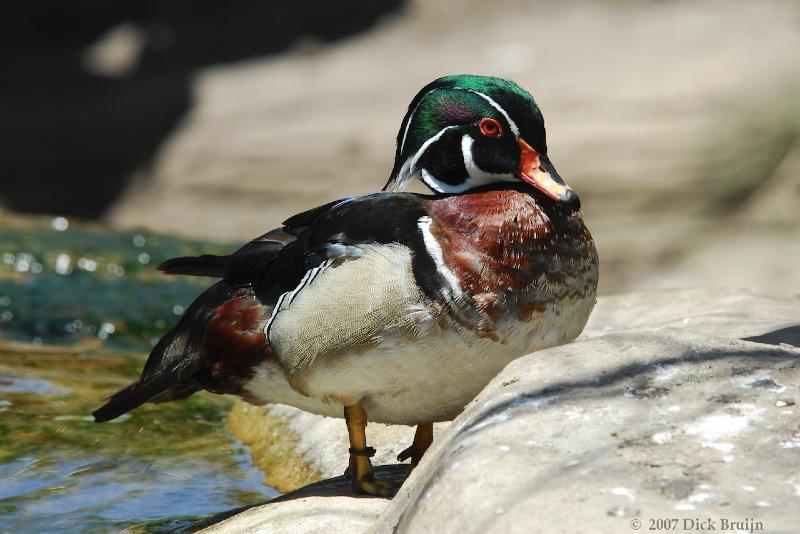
(395, 307)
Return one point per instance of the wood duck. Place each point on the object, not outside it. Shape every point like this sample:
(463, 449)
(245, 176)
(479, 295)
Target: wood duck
(395, 307)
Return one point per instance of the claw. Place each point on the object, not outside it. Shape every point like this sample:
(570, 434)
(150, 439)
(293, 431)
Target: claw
(379, 488)
(422, 440)
(360, 470)
(410, 452)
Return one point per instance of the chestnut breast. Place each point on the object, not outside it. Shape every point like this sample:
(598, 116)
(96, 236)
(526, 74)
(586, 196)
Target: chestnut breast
(514, 255)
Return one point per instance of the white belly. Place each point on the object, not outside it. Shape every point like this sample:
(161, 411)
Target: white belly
(425, 381)
(362, 332)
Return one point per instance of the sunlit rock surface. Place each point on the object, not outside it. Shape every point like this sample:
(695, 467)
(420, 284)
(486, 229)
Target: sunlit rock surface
(326, 506)
(674, 404)
(296, 448)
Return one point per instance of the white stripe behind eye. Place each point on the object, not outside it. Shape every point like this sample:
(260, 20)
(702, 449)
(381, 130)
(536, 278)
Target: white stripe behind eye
(486, 97)
(407, 170)
(497, 106)
(478, 176)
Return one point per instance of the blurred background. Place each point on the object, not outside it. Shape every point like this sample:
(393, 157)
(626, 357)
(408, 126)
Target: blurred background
(134, 131)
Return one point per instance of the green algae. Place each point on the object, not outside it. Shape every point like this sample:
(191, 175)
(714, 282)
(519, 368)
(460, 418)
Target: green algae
(59, 284)
(79, 309)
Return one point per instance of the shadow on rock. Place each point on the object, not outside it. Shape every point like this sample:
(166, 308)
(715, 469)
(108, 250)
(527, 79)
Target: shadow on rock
(637, 378)
(332, 487)
(788, 336)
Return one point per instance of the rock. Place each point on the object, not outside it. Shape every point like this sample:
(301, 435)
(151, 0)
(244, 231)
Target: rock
(674, 404)
(313, 508)
(669, 419)
(276, 447)
(294, 447)
(624, 426)
(349, 514)
(733, 313)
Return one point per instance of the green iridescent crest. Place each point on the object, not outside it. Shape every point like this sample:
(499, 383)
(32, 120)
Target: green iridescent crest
(445, 115)
(489, 85)
(442, 108)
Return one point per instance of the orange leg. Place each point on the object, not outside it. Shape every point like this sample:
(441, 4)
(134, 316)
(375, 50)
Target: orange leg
(361, 472)
(423, 438)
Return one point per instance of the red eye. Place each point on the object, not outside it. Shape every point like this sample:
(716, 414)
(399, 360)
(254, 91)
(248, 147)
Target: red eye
(491, 128)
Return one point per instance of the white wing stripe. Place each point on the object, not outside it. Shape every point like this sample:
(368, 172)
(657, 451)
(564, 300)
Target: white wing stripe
(307, 279)
(274, 314)
(435, 252)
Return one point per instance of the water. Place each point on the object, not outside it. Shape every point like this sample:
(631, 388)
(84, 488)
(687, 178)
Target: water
(79, 309)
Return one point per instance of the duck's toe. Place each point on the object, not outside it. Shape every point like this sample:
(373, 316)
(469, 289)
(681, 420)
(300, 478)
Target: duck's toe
(380, 488)
(422, 440)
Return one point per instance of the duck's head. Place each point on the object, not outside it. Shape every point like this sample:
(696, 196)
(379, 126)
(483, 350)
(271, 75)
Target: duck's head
(467, 131)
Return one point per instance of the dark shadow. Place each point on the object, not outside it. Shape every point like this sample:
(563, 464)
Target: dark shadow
(332, 487)
(639, 378)
(73, 130)
(789, 336)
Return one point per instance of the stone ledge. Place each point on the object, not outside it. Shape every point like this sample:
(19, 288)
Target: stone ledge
(673, 404)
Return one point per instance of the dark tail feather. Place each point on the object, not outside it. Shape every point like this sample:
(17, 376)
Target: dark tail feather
(121, 402)
(175, 366)
(205, 265)
(156, 388)
(240, 267)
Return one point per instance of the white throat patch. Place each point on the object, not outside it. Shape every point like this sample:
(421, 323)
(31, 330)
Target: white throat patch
(476, 176)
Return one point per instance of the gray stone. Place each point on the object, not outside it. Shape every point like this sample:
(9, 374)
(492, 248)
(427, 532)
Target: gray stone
(735, 313)
(323, 441)
(673, 405)
(305, 514)
(624, 426)
(326, 506)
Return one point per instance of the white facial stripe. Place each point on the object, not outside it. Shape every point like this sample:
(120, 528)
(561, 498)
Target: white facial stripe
(410, 118)
(431, 181)
(442, 187)
(496, 106)
(435, 252)
(475, 172)
(476, 176)
(408, 168)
